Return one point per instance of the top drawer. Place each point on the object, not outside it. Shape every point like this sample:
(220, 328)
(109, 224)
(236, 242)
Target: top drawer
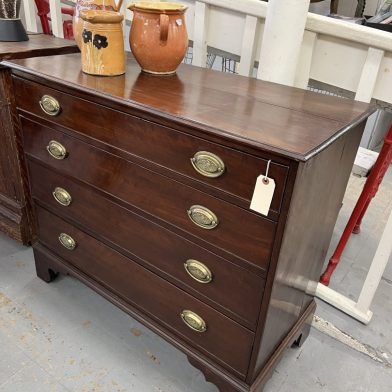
(223, 168)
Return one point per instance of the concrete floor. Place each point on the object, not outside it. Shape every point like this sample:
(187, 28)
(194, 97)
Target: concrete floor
(64, 337)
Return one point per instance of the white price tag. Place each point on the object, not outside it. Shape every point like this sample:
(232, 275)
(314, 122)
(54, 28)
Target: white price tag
(262, 195)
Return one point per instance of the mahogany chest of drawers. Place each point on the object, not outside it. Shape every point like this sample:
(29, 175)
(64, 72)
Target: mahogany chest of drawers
(142, 188)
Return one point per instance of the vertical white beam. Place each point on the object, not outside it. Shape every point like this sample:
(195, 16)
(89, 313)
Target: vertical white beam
(56, 18)
(305, 60)
(30, 15)
(282, 39)
(200, 34)
(370, 71)
(248, 46)
(377, 268)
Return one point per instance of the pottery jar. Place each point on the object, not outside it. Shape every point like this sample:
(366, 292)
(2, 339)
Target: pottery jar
(77, 24)
(102, 43)
(158, 37)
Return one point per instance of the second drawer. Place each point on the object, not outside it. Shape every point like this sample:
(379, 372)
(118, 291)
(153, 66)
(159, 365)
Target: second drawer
(232, 289)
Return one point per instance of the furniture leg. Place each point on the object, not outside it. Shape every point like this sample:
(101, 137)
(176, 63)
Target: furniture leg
(43, 268)
(334, 6)
(357, 227)
(304, 334)
(220, 382)
(44, 22)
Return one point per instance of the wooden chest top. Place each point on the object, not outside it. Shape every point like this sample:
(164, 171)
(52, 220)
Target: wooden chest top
(288, 121)
(37, 45)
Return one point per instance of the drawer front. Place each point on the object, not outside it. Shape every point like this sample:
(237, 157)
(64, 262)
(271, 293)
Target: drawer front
(223, 339)
(164, 146)
(236, 291)
(237, 231)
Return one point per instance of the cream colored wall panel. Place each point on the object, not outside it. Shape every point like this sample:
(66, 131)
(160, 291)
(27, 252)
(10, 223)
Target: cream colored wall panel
(189, 16)
(383, 89)
(259, 37)
(226, 29)
(338, 62)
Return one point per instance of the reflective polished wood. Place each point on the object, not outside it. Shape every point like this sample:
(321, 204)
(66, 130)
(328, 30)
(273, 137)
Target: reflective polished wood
(123, 206)
(292, 122)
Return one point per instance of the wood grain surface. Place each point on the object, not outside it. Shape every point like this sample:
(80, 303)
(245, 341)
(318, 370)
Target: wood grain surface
(37, 45)
(164, 146)
(292, 122)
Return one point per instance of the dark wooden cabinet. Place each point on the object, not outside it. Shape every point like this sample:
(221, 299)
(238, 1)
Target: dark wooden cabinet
(15, 211)
(142, 187)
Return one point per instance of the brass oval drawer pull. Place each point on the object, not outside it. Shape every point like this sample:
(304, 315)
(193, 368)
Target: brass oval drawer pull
(203, 217)
(193, 321)
(198, 271)
(67, 241)
(208, 164)
(50, 105)
(56, 150)
(62, 196)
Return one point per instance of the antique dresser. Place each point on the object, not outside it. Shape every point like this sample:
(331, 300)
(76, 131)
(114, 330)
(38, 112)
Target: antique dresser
(142, 188)
(15, 216)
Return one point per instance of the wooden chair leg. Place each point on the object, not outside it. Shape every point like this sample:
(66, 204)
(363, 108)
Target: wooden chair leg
(369, 191)
(357, 227)
(334, 260)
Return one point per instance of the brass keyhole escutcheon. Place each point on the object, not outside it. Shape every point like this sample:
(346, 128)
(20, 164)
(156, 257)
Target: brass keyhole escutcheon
(198, 271)
(50, 105)
(203, 217)
(67, 241)
(208, 164)
(56, 150)
(62, 196)
(193, 321)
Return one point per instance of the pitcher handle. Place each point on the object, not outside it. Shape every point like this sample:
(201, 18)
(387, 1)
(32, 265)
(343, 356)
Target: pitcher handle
(164, 26)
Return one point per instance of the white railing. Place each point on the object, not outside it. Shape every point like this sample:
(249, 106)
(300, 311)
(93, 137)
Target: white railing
(348, 56)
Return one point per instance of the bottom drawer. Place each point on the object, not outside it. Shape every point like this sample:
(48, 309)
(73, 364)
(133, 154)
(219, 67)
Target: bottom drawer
(219, 337)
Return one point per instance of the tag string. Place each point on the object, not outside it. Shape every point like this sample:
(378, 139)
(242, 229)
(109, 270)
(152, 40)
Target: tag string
(267, 171)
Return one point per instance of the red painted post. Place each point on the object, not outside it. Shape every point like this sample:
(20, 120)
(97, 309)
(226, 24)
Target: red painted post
(369, 191)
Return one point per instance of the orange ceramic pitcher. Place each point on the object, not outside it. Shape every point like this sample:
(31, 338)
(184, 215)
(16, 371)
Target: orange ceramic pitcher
(108, 5)
(158, 37)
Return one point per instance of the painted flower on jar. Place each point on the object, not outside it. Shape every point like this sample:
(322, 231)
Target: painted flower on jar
(100, 41)
(87, 36)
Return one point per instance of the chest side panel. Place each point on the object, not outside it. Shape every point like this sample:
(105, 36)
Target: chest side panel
(316, 201)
